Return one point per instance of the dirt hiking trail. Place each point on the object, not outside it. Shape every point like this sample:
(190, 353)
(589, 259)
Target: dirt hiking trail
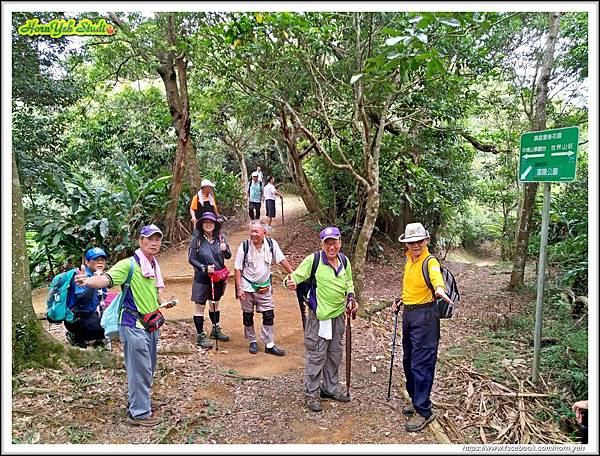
(228, 396)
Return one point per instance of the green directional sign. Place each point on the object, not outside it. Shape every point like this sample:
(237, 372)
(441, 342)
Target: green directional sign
(549, 155)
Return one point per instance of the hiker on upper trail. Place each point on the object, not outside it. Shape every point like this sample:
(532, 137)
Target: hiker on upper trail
(270, 195)
(420, 325)
(204, 201)
(330, 299)
(207, 254)
(86, 326)
(255, 196)
(253, 284)
(260, 174)
(140, 320)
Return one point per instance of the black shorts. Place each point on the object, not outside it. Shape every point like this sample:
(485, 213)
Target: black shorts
(203, 292)
(270, 208)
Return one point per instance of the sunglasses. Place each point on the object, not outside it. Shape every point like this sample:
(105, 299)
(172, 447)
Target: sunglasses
(415, 242)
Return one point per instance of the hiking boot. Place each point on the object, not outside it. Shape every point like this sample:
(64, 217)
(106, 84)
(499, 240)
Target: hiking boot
(202, 341)
(217, 334)
(418, 422)
(253, 348)
(274, 351)
(150, 421)
(313, 403)
(337, 396)
(408, 410)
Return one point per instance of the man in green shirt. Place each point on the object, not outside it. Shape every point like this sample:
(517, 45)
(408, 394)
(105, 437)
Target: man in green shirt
(332, 297)
(139, 342)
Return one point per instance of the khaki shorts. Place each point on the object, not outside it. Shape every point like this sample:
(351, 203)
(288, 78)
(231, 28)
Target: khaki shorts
(257, 302)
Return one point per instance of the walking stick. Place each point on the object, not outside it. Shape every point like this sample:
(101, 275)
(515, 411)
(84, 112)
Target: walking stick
(389, 393)
(212, 289)
(282, 220)
(303, 313)
(348, 353)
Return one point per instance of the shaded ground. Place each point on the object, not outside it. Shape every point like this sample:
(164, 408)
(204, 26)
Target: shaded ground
(230, 396)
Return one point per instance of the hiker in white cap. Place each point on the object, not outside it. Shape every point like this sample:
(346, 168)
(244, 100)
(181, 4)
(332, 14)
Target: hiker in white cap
(203, 201)
(420, 325)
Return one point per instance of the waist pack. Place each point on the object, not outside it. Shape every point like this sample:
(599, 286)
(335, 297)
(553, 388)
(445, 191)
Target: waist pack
(150, 321)
(220, 275)
(261, 288)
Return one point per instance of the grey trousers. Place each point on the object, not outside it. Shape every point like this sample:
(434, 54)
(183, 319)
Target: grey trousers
(323, 357)
(139, 348)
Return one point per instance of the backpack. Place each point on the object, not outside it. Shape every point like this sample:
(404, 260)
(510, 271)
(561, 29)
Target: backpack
(261, 186)
(304, 288)
(445, 309)
(61, 296)
(246, 246)
(111, 317)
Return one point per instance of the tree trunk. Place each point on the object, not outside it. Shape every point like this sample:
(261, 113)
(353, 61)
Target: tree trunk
(362, 244)
(294, 165)
(312, 203)
(244, 170)
(22, 309)
(191, 165)
(180, 111)
(539, 123)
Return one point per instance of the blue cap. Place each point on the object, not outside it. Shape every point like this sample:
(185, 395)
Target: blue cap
(149, 230)
(331, 232)
(94, 253)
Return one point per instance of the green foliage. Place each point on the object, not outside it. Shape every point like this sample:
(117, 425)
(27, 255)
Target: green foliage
(127, 125)
(78, 434)
(568, 230)
(38, 76)
(570, 371)
(29, 437)
(82, 212)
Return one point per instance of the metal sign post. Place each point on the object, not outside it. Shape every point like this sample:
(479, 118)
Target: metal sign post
(546, 156)
(540, 285)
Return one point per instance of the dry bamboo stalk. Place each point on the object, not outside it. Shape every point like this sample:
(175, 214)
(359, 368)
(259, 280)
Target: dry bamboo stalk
(514, 394)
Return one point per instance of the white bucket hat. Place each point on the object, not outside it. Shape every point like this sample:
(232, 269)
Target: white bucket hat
(414, 232)
(206, 182)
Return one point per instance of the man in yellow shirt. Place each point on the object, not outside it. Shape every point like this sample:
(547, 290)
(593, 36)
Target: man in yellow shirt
(420, 325)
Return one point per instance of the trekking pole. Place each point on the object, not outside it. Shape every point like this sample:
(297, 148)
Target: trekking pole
(282, 220)
(389, 393)
(348, 353)
(212, 289)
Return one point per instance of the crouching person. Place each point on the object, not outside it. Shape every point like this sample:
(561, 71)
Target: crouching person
(85, 307)
(329, 302)
(140, 320)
